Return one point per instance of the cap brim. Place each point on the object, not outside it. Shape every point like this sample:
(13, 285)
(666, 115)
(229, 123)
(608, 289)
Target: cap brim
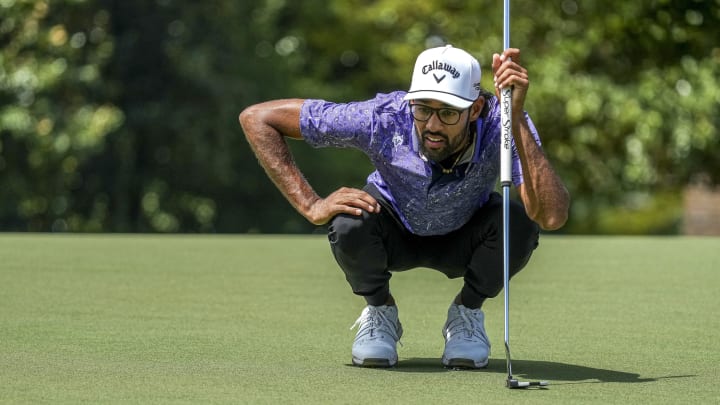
(446, 98)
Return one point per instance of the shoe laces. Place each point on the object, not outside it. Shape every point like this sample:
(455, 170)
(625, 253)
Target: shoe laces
(470, 322)
(373, 322)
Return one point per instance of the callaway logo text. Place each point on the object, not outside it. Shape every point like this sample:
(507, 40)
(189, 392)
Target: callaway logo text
(436, 65)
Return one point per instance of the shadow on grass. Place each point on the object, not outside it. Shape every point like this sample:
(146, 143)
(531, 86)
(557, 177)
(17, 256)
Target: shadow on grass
(534, 370)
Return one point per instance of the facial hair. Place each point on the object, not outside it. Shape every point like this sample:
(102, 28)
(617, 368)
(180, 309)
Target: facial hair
(438, 155)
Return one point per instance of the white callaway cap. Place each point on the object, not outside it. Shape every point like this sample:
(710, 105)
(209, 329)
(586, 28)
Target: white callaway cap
(446, 74)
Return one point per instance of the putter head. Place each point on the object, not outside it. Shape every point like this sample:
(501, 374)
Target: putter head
(513, 383)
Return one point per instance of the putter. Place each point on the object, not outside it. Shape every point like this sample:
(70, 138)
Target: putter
(506, 181)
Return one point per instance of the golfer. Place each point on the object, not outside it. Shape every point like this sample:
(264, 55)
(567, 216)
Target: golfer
(430, 201)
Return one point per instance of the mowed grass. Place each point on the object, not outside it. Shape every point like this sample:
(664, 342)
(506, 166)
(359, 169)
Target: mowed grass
(265, 320)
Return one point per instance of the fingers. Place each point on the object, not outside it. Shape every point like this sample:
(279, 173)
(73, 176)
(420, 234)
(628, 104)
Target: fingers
(508, 71)
(510, 53)
(354, 207)
(353, 201)
(346, 200)
(511, 75)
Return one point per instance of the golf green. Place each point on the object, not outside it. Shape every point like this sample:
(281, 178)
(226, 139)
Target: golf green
(265, 320)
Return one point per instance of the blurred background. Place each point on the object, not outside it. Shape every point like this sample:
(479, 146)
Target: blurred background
(121, 115)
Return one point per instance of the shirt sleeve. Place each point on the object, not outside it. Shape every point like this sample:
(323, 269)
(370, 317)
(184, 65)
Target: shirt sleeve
(325, 124)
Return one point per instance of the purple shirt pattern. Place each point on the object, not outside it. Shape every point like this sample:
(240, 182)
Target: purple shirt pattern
(426, 202)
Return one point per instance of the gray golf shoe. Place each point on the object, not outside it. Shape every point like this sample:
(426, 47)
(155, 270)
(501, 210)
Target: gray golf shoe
(379, 331)
(466, 344)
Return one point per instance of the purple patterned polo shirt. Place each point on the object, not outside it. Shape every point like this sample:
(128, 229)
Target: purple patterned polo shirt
(426, 201)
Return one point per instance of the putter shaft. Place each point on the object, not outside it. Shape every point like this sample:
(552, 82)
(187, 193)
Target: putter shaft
(506, 138)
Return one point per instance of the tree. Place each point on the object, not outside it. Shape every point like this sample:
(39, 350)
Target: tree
(55, 114)
(121, 115)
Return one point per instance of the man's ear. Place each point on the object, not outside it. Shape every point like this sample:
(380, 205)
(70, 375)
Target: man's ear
(476, 108)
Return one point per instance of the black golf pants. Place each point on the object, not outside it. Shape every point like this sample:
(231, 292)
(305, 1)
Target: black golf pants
(371, 246)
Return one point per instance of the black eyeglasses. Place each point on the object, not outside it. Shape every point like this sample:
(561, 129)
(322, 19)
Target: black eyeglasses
(448, 116)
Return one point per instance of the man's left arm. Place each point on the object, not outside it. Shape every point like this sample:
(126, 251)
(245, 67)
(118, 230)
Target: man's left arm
(542, 192)
(544, 195)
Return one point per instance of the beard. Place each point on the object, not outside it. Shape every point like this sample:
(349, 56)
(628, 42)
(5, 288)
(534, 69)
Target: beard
(436, 146)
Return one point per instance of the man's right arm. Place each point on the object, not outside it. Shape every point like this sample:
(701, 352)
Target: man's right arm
(266, 125)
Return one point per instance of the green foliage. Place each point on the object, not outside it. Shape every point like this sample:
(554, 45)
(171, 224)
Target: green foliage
(631, 105)
(55, 114)
(121, 115)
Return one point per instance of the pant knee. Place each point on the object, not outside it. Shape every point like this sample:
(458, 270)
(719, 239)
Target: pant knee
(349, 230)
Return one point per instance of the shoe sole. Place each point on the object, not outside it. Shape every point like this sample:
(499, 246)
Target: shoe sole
(464, 363)
(377, 363)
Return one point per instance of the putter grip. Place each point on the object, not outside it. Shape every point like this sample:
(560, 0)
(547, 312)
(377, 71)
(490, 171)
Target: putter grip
(506, 136)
